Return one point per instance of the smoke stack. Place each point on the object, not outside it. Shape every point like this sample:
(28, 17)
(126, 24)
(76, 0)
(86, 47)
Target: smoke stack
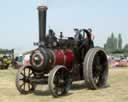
(42, 10)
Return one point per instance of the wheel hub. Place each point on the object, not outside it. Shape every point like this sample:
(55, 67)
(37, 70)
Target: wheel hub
(27, 79)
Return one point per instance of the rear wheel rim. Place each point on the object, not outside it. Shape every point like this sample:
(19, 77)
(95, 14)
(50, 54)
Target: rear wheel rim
(95, 68)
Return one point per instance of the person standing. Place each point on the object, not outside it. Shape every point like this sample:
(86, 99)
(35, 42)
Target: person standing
(92, 36)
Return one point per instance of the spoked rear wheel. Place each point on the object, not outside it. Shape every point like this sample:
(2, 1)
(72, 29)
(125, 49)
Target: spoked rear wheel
(23, 82)
(95, 68)
(59, 81)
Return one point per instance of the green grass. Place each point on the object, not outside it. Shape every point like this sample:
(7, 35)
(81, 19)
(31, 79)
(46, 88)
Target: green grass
(117, 92)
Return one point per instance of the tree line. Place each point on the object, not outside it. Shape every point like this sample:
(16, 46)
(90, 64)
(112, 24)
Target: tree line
(6, 51)
(115, 44)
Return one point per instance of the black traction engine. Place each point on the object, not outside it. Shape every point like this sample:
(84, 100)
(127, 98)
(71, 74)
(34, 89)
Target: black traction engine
(59, 60)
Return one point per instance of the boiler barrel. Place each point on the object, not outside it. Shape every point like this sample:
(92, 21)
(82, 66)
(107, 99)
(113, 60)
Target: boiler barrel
(45, 59)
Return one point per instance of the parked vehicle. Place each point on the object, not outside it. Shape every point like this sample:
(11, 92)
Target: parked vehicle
(5, 61)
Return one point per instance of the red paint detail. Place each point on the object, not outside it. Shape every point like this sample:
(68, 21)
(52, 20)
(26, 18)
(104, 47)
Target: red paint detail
(42, 59)
(69, 57)
(59, 55)
(64, 57)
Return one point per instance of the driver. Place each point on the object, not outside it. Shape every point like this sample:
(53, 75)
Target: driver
(87, 42)
(90, 31)
(51, 39)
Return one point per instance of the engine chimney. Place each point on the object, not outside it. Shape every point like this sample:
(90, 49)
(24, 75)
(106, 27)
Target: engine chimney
(42, 10)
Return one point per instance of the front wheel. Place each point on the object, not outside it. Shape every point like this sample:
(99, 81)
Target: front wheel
(59, 81)
(95, 68)
(23, 83)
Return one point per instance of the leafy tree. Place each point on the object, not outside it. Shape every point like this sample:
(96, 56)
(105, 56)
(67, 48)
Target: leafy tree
(119, 41)
(115, 43)
(112, 41)
(126, 47)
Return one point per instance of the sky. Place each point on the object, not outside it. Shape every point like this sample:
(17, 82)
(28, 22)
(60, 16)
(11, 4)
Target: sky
(19, 20)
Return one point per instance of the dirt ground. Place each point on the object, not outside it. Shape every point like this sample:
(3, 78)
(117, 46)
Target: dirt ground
(117, 92)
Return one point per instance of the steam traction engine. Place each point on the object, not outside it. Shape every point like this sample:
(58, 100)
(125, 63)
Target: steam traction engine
(59, 61)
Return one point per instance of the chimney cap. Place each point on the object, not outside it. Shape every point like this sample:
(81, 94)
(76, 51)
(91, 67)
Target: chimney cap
(42, 8)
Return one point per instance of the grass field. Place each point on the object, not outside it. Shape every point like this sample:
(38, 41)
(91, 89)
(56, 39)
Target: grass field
(117, 92)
